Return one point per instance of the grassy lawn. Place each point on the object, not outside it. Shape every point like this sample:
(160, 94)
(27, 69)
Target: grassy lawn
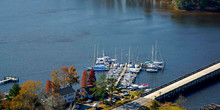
(131, 92)
(172, 107)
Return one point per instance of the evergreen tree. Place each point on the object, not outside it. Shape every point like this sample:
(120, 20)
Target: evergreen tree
(111, 86)
(14, 91)
(99, 90)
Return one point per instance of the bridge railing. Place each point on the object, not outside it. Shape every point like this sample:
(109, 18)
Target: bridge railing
(182, 77)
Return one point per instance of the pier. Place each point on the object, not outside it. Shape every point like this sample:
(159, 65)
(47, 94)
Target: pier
(8, 79)
(123, 72)
(177, 86)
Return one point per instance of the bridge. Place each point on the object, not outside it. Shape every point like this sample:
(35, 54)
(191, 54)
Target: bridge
(177, 86)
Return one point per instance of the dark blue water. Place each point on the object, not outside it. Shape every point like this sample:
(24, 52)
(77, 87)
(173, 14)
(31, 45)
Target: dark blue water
(37, 36)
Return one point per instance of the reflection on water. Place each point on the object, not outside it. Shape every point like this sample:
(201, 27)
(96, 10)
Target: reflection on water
(199, 19)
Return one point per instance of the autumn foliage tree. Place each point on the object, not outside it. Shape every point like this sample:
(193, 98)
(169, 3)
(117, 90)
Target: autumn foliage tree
(48, 87)
(68, 76)
(55, 80)
(27, 97)
(91, 78)
(84, 79)
(72, 77)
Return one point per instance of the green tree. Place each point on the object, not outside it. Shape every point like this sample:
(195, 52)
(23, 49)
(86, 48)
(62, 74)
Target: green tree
(139, 93)
(111, 87)
(13, 92)
(1, 97)
(154, 105)
(100, 88)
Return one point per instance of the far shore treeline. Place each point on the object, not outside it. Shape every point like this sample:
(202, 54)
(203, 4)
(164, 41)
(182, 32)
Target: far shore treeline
(197, 5)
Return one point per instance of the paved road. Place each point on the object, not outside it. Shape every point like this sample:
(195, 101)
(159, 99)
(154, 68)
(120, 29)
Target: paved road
(134, 105)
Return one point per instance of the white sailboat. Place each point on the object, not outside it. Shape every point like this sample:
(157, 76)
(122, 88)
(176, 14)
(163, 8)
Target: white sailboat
(158, 62)
(151, 67)
(155, 64)
(129, 62)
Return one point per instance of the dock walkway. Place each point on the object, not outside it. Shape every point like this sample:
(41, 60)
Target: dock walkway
(122, 74)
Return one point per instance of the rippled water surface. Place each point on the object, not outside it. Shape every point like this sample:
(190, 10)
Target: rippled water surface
(37, 36)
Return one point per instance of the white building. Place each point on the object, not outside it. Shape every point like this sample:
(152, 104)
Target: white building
(67, 93)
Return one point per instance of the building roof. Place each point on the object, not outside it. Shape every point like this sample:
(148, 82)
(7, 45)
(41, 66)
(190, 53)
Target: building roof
(65, 91)
(87, 89)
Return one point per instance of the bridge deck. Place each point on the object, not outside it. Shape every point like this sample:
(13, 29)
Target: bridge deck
(183, 82)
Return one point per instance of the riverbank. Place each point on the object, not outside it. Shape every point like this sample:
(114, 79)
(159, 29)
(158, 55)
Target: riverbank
(161, 106)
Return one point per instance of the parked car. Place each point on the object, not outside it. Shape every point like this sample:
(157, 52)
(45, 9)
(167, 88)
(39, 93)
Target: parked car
(77, 107)
(95, 105)
(117, 97)
(89, 101)
(122, 87)
(125, 93)
(113, 100)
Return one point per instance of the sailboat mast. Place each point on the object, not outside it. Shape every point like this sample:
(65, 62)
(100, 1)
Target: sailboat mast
(137, 56)
(97, 50)
(155, 50)
(115, 53)
(121, 56)
(103, 53)
(152, 58)
(94, 54)
(129, 55)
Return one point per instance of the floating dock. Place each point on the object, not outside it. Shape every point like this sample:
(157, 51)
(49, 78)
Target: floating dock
(8, 79)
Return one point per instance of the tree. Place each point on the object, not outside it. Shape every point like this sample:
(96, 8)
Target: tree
(55, 86)
(72, 76)
(84, 79)
(100, 88)
(54, 101)
(55, 80)
(1, 97)
(111, 87)
(181, 100)
(48, 87)
(27, 97)
(154, 105)
(91, 78)
(14, 91)
(68, 76)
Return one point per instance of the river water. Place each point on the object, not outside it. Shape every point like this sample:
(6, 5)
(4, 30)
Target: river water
(37, 36)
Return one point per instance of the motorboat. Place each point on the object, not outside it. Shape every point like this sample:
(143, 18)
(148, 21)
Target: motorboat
(143, 86)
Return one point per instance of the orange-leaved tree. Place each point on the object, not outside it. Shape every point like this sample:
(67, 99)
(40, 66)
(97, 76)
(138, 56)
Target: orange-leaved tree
(84, 79)
(55, 80)
(48, 87)
(68, 76)
(91, 78)
(27, 97)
